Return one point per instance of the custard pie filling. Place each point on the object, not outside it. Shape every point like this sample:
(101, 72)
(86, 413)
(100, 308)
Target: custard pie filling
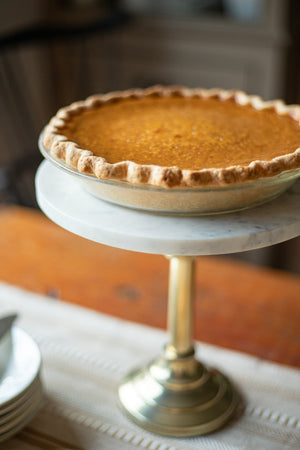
(177, 137)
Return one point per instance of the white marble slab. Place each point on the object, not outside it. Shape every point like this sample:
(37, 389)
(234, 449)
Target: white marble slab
(65, 202)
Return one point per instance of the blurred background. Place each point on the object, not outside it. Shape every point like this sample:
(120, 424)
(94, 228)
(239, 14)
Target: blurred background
(53, 52)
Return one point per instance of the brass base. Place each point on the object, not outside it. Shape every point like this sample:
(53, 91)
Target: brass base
(177, 396)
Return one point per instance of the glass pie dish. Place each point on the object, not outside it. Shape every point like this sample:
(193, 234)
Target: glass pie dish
(183, 201)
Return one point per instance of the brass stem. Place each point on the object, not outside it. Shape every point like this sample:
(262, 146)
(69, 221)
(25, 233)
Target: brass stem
(175, 395)
(180, 308)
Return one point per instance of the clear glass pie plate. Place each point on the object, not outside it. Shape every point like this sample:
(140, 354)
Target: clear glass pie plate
(198, 200)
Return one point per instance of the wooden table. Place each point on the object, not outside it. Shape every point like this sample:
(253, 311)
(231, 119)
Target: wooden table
(239, 306)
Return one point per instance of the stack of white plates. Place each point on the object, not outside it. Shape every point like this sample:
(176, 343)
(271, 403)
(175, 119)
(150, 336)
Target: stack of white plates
(20, 385)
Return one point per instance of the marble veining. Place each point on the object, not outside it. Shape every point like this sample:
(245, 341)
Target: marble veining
(64, 201)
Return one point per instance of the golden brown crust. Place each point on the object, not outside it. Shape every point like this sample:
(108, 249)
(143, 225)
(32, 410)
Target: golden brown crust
(86, 162)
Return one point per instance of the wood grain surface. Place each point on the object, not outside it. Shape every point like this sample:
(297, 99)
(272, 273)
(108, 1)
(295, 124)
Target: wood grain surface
(238, 306)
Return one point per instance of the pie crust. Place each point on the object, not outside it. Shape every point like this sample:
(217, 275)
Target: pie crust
(86, 161)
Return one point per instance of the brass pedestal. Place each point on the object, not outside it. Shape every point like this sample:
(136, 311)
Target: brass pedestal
(176, 395)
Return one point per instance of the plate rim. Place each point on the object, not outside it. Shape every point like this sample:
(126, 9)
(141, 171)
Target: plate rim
(19, 334)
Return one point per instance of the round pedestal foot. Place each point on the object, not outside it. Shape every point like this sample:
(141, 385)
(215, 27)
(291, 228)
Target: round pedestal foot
(178, 397)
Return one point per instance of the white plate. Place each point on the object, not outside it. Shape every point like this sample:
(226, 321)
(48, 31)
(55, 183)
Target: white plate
(30, 392)
(21, 398)
(15, 425)
(8, 419)
(23, 367)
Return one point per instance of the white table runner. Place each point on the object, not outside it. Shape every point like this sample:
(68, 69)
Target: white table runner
(86, 354)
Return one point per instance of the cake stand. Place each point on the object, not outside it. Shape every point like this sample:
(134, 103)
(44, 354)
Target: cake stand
(175, 394)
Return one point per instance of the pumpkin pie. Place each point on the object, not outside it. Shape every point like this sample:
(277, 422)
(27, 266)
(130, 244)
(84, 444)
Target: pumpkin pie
(177, 137)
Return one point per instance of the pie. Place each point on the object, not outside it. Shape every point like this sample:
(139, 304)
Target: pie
(177, 137)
